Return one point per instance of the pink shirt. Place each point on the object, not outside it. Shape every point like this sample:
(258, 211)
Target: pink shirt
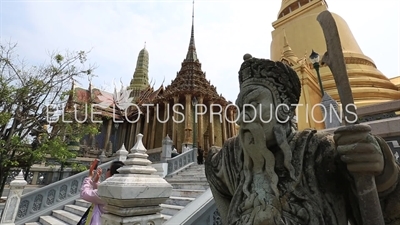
(89, 193)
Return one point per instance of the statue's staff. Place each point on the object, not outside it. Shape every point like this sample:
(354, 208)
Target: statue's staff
(369, 205)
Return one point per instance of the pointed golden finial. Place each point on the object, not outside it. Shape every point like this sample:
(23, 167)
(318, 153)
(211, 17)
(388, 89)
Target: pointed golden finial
(285, 42)
(287, 50)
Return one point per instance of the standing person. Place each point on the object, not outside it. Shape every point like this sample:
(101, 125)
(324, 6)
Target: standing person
(174, 152)
(185, 148)
(199, 156)
(89, 192)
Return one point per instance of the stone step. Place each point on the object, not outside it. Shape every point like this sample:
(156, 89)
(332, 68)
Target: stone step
(75, 209)
(181, 201)
(83, 203)
(67, 217)
(187, 175)
(189, 193)
(187, 179)
(191, 174)
(195, 169)
(192, 170)
(170, 209)
(49, 220)
(33, 223)
(192, 185)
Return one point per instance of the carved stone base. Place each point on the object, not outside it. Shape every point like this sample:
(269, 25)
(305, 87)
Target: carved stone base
(133, 211)
(134, 202)
(155, 219)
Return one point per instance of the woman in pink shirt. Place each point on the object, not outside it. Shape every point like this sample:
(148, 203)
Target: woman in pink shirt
(89, 191)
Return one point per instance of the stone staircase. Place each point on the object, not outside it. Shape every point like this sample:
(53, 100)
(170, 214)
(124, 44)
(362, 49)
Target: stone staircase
(187, 186)
(70, 215)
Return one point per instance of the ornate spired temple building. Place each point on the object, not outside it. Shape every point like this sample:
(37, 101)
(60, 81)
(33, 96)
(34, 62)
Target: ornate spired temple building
(171, 110)
(292, 43)
(166, 110)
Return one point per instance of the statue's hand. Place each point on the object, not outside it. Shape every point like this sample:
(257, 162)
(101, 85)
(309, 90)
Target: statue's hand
(359, 150)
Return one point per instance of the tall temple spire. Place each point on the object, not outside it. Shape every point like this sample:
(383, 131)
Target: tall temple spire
(191, 55)
(140, 80)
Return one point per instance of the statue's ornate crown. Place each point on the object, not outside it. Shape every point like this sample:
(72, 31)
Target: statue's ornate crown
(278, 77)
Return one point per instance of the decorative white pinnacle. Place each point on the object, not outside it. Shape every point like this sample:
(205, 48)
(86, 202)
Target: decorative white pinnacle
(19, 180)
(137, 161)
(122, 153)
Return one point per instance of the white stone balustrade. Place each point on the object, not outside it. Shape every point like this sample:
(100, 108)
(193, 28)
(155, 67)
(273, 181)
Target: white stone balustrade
(13, 200)
(134, 195)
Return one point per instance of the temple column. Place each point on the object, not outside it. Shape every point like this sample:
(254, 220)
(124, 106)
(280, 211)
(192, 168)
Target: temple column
(188, 116)
(200, 133)
(174, 135)
(166, 108)
(128, 131)
(146, 128)
(153, 128)
(132, 136)
(212, 134)
(138, 127)
(223, 125)
(108, 134)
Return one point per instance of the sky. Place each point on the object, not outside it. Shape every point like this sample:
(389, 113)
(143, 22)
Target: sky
(115, 32)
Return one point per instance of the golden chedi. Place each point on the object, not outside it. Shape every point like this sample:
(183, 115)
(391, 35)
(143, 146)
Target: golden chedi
(297, 25)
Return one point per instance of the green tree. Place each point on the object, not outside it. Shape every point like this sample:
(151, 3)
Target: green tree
(26, 92)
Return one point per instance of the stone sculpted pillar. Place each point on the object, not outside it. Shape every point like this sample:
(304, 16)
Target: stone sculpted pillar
(13, 200)
(122, 153)
(166, 149)
(134, 195)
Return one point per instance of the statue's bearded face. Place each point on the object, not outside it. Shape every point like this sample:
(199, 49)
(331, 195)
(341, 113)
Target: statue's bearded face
(257, 112)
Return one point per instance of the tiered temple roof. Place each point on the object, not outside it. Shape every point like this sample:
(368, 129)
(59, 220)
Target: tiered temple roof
(191, 79)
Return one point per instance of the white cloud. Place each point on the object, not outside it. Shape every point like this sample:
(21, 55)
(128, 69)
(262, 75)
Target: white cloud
(224, 32)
